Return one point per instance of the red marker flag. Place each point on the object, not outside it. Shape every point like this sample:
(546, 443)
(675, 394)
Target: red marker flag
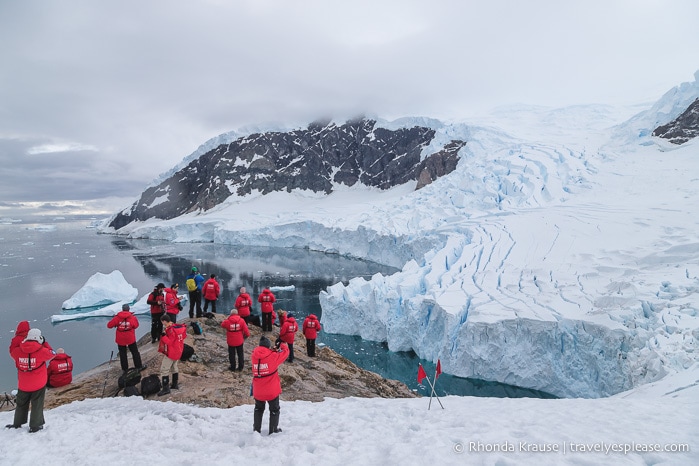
(420, 374)
(438, 371)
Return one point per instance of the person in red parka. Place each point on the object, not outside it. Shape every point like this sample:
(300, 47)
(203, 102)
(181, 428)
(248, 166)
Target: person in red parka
(20, 334)
(311, 327)
(156, 299)
(126, 324)
(242, 304)
(172, 302)
(211, 290)
(172, 346)
(287, 333)
(30, 358)
(60, 370)
(236, 333)
(266, 300)
(266, 384)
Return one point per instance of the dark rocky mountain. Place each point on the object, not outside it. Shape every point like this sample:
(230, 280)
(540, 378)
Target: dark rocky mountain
(683, 128)
(314, 158)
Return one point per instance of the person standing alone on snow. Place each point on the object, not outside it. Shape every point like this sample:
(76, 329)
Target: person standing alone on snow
(266, 384)
(311, 327)
(126, 324)
(156, 299)
(172, 346)
(30, 358)
(194, 282)
(266, 300)
(236, 333)
(211, 290)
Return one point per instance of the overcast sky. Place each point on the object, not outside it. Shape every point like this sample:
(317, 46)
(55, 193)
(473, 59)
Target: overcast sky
(98, 98)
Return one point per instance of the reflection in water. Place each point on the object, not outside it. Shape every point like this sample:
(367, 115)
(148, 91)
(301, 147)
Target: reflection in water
(309, 272)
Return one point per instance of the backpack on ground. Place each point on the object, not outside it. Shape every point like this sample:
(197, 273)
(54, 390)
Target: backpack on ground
(131, 390)
(191, 284)
(198, 330)
(150, 385)
(187, 353)
(130, 378)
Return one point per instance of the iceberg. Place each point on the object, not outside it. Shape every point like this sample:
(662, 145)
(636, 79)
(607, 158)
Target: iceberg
(102, 289)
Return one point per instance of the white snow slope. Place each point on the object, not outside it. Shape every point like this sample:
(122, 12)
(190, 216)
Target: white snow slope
(562, 254)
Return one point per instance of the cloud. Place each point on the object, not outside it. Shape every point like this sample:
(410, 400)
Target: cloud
(117, 98)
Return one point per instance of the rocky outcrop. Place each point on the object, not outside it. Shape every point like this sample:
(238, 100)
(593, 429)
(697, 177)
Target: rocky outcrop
(315, 159)
(683, 128)
(209, 383)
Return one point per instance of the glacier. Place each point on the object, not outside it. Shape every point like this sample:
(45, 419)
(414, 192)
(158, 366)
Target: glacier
(561, 255)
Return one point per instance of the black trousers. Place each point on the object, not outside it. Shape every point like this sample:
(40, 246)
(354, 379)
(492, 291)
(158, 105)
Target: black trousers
(156, 326)
(36, 399)
(195, 300)
(123, 358)
(234, 351)
(213, 305)
(311, 346)
(266, 321)
(273, 415)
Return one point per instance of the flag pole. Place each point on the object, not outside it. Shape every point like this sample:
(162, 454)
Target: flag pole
(433, 393)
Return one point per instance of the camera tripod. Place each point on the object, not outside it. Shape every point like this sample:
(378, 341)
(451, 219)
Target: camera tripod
(7, 401)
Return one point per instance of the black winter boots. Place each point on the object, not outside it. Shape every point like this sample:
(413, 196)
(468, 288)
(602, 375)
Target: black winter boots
(175, 379)
(274, 422)
(166, 385)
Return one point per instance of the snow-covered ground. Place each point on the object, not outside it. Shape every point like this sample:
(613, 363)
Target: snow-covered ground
(653, 425)
(561, 255)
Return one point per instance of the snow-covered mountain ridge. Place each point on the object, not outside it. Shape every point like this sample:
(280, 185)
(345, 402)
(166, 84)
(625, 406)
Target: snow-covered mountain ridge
(561, 253)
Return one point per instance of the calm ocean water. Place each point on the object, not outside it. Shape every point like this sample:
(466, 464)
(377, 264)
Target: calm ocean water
(44, 261)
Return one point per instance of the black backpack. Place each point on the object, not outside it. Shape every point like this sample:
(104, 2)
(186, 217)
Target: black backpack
(187, 353)
(131, 390)
(130, 378)
(150, 385)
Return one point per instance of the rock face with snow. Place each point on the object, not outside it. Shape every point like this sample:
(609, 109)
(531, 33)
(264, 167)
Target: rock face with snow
(683, 128)
(315, 159)
(560, 254)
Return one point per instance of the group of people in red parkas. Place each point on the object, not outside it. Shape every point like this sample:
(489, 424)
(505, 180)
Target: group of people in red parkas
(38, 366)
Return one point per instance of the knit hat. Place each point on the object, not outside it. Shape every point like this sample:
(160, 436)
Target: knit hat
(34, 335)
(160, 285)
(289, 315)
(194, 269)
(125, 307)
(264, 341)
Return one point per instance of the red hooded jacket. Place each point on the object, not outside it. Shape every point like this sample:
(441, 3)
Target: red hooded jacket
(236, 330)
(30, 358)
(156, 299)
(211, 289)
(60, 370)
(20, 334)
(267, 299)
(288, 331)
(126, 324)
(266, 384)
(172, 343)
(242, 304)
(311, 327)
(171, 301)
